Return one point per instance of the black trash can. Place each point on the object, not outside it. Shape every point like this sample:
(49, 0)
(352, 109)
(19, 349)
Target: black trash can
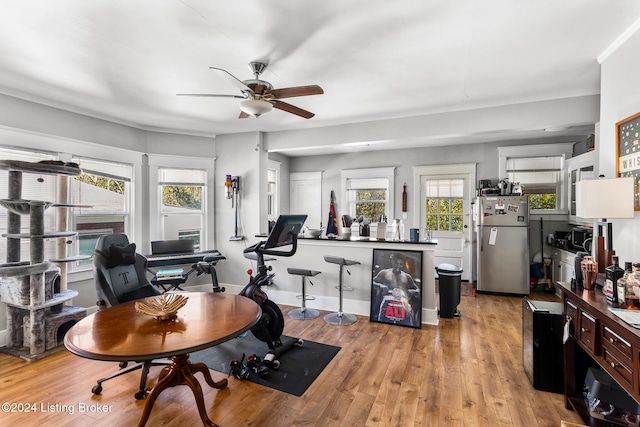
(449, 277)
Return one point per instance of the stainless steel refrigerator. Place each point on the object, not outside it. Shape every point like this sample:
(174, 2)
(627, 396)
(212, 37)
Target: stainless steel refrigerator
(502, 244)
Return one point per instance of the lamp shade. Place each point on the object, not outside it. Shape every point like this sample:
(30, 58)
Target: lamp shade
(605, 198)
(255, 107)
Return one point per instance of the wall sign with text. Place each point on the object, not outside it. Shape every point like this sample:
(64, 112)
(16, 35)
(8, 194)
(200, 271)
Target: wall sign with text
(628, 153)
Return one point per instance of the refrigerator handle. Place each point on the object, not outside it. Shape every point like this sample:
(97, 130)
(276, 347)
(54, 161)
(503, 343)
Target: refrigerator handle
(481, 223)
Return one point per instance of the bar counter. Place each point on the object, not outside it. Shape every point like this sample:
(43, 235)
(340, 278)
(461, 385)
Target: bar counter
(310, 255)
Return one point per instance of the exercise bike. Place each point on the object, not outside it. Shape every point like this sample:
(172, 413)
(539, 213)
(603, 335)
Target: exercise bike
(271, 324)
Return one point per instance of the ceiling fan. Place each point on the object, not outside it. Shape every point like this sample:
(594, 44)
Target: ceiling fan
(259, 96)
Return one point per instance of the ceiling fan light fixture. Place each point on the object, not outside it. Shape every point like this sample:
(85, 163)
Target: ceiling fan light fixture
(255, 107)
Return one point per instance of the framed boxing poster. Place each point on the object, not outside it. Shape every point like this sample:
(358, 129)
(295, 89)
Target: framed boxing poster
(396, 287)
(628, 153)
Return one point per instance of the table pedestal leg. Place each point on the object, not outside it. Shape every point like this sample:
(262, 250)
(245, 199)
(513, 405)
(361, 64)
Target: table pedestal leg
(181, 372)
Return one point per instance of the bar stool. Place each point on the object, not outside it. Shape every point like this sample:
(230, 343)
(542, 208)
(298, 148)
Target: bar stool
(303, 312)
(340, 318)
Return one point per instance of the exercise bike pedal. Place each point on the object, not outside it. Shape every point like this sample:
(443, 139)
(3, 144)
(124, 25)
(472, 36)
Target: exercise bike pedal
(256, 364)
(239, 369)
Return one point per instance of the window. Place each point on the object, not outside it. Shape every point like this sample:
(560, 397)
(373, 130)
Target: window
(540, 171)
(368, 192)
(444, 204)
(34, 187)
(368, 197)
(273, 179)
(183, 203)
(103, 192)
(540, 178)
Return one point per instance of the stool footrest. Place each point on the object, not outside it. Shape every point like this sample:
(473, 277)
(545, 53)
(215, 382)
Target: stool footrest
(306, 298)
(345, 288)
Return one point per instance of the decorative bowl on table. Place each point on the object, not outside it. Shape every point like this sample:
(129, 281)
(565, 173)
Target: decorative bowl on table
(163, 307)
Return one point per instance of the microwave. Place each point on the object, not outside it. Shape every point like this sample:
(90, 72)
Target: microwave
(581, 238)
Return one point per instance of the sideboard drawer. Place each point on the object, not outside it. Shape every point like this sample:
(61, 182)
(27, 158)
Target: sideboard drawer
(611, 339)
(571, 315)
(618, 366)
(588, 332)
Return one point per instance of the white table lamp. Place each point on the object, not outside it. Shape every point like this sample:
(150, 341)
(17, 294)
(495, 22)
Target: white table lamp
(605, 199)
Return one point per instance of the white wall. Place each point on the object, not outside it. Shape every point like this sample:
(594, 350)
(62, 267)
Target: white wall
(239, 155)
(620, 99)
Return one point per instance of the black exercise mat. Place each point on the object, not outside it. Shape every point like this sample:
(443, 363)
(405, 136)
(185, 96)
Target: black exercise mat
(299, 367)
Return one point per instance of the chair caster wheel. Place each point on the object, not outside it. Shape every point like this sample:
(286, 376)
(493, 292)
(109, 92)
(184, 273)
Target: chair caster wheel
(97, 389)
(141, 395)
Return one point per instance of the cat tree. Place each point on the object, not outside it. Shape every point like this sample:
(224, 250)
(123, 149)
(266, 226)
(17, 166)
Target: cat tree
(34, 292)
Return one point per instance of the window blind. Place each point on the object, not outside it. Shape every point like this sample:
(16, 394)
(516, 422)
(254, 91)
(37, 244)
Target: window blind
(538, 175)
(168, 176)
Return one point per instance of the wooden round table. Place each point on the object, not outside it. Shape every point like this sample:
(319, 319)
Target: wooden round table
(121, 334)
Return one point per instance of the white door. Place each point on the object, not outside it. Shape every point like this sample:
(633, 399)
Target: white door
(445, 197)
(306, 196)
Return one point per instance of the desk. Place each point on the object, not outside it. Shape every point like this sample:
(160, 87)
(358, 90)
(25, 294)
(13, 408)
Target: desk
(597, 338)
(202, 262)
(120, 334)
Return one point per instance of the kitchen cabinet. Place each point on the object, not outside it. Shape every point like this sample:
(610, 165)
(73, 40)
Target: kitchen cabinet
(562, 265)
(579, 168)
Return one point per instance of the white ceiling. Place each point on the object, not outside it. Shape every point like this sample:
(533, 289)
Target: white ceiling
(125, 60)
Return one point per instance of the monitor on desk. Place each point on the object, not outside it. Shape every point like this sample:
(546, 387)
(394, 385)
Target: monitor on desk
(286, 228)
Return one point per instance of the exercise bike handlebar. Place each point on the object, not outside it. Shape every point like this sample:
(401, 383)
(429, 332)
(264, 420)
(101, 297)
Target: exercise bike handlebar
(260, 249)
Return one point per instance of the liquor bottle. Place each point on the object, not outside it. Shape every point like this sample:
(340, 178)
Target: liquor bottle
(612, 274)
(625, 287)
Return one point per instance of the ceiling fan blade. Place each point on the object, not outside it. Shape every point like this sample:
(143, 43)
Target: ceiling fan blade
(290, 92)
(234, 80)
(243, 115)
(212, 95)
(292, 109)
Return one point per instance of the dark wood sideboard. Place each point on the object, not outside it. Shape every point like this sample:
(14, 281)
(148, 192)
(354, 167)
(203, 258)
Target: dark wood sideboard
(597, 338)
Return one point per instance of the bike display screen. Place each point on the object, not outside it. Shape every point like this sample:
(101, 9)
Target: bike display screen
(287, 227)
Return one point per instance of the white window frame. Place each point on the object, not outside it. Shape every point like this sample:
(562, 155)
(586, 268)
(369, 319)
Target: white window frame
(187, 177)
(563, 150)
(66, 149)
(30, 190)
(87, 216)
(273, 197)
(387, 173)
(154, 226)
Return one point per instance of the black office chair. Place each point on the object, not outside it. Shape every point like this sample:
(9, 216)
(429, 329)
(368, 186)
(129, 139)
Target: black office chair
(120, 276)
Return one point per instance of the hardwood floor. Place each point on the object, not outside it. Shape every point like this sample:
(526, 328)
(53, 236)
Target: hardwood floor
(463, 372)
